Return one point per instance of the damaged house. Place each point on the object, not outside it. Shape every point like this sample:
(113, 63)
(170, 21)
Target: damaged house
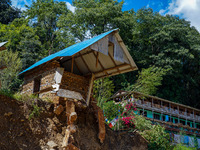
(69, 74)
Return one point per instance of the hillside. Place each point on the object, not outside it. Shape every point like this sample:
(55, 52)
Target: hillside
(46, 131)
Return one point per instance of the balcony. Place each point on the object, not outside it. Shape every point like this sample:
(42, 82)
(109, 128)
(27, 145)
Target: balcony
(167, 110)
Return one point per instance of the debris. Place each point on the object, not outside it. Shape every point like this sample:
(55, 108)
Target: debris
(52, 144)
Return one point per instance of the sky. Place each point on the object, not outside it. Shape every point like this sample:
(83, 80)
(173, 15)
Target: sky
(187, 9)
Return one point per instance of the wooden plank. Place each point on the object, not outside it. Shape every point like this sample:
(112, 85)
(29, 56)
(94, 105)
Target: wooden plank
(115, 73)
(69, 94)
(109, 69)
(90, 89)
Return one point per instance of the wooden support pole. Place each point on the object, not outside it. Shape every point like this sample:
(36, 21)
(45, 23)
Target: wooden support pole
(66, 138)
(97, 59)
(72, 67)
(90, 89)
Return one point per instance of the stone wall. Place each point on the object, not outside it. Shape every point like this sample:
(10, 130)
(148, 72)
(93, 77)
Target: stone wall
(75, 82)
(46, 72)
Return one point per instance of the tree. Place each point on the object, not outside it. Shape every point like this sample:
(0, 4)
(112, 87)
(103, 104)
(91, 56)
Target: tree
(169, 42)
(93, 17)
(43, 15)
(148, 80)
(9, 76)
(22, 39)
(7, 12)
(103, 89)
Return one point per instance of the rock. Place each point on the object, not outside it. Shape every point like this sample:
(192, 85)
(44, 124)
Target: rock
(52, 144)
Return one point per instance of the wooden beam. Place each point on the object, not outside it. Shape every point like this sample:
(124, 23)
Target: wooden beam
(78, 67)
(114, 73)
(72, 67)
(78, 56)
(113, 61)
(90, 89)
(123, 65)
(85, 63)
(102, 67)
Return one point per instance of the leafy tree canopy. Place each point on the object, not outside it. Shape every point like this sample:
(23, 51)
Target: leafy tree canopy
(7, 12)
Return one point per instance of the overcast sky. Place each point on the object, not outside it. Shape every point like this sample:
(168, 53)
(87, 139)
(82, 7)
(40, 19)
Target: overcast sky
(187, 9)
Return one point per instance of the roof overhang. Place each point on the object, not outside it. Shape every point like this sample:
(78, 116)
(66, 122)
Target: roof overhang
(2, 46)
(105, 55)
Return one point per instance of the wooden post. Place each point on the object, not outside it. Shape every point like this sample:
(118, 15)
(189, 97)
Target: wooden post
(186, 115)
(72, 67)
(90, 90)
(97, 59)
(178, 115)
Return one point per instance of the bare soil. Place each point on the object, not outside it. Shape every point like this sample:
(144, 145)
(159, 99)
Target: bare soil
(46, 131)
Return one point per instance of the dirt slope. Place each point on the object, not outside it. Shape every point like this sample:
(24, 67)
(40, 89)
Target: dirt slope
(18, 132)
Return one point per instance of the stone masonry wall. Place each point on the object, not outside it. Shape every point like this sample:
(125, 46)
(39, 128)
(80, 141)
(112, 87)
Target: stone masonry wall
(75, 82)
(47, 73)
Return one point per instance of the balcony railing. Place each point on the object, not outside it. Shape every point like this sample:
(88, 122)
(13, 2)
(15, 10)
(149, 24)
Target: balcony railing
(167, 110)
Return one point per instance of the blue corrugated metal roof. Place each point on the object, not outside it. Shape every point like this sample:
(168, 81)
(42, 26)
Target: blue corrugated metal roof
(69, 51)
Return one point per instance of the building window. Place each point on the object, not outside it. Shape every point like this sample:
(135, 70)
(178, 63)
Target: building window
(176, 120)
(156, 116)
(37, 82)
(145, 113)
(163, 118)
(182, 121)
(188, 123)
(198, 126)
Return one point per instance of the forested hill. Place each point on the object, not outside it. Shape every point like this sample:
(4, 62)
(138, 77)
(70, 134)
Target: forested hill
(164, 42)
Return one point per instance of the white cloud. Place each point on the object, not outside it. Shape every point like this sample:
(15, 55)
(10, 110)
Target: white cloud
(70, 7)
(20, 4)
(187, 9)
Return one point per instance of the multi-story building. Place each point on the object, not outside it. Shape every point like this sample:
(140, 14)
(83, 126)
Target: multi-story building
(181, 121)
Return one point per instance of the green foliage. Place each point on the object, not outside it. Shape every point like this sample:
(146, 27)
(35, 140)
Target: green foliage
(169, 42)
(112, 110)
(22, 38)
(148, 80)
(35, 112)
(8, 76)
(157, 137)
(102, 90)
(93, 17)
(183, 147)
(44, 16)
(142, 124)
(7, 12)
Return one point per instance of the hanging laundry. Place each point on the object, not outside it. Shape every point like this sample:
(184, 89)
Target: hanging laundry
(186, 139)
(177, 138)
(198, 141)
(191, 142)
(166, 118)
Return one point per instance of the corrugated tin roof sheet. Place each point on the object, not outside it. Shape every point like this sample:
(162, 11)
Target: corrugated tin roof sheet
(70, 51)
(2, 44)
